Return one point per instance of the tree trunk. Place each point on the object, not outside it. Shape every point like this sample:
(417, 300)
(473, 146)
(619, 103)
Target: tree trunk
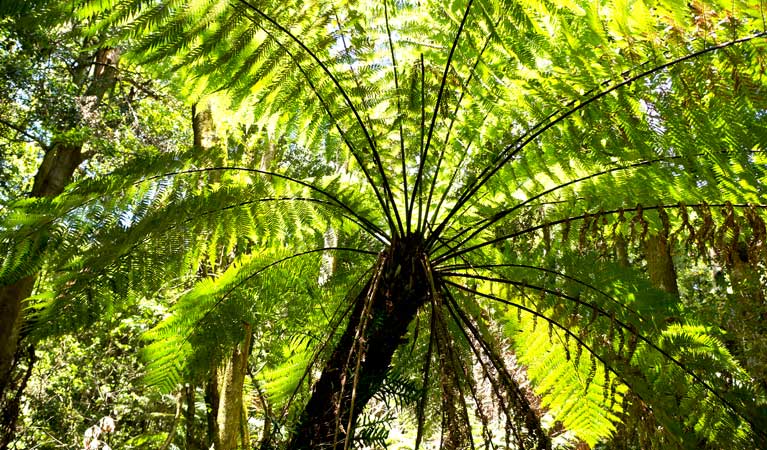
(194, 441)
(621, 250)
(360, 360)
(211, 402)
(203, 127)
(227, 418)
(660, 265)
(56, 170)
(231, 378)
(640, 425)
(205, 138)
(10, 313)
(267, 158)
(747, 319)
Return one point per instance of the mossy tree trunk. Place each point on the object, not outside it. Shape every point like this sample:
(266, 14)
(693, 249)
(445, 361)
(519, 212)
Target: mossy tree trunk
(231, 424)
(227, 420)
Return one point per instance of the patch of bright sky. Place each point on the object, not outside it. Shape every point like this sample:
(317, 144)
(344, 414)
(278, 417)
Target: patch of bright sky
(652, 115)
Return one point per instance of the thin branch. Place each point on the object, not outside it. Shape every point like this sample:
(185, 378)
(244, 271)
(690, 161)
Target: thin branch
(174, 424)
(488, 221)
(487, 376)
(24, 133)
(430, 240)
(255, 274)
(553, 322)
(198, 215)
(456, 369)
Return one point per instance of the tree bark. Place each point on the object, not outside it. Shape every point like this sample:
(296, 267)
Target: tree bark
(194, 441)
(621, 250)
(227, 418)
(231, 379)
(640, 421)
(361, 358)
(747, 319)
(660, 265)
(203, 127)
(211, 402)
(205, 139)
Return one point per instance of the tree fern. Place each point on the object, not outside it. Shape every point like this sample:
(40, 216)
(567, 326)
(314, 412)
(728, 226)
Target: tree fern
(490, 151)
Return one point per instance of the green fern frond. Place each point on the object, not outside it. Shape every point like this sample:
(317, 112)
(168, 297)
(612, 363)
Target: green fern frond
(586, 401)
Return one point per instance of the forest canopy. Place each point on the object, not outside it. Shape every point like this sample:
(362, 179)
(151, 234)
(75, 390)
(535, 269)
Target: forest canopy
(347, 224)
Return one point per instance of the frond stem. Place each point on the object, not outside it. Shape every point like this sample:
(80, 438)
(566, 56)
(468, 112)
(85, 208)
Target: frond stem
(484, 224)
(437, 104)
(497, 362)
(379, 233)
(446, 269)
(263, 269)
(456, 253)
(402, 153)
(349, 103)
(447, 134)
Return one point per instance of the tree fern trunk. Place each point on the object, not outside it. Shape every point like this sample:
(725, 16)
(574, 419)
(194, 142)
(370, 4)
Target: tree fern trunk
(360, 360)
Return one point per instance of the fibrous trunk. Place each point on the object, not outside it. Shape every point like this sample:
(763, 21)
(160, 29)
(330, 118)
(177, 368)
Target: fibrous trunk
(360, 360)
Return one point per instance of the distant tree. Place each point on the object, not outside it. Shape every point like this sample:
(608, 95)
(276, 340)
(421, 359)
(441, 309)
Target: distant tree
(65, 105)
